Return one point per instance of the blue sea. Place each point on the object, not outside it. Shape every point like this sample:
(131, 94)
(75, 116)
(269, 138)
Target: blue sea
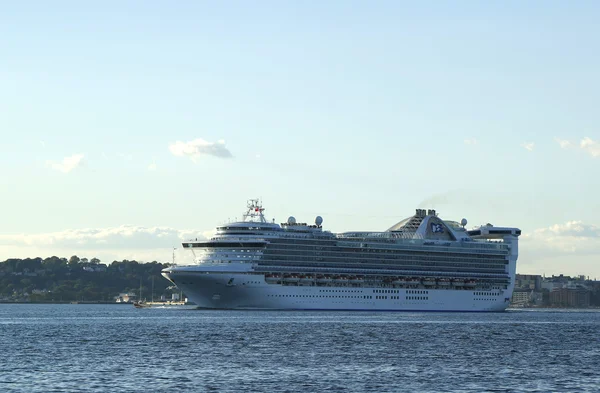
(116, 348)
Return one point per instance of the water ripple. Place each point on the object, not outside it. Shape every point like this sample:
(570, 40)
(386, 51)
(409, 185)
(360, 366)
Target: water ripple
(106, 348)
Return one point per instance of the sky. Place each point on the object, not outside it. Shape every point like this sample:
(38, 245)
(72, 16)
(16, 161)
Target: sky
(128, 126)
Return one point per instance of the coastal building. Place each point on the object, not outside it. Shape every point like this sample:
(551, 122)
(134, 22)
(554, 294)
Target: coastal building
(126, 297)
(520, 298)
(95, 268)
(528, 281)
(570, 297)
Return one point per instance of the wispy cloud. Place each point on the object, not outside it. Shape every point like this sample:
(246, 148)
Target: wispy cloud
(563, 143)
(199, 147)
(528, 146)
(471, 141)
(126, 157)
(67, 164)
(587, 145)
(108, 244)
(569, 237)
(570, 228)
(590, 146)
(124, 236)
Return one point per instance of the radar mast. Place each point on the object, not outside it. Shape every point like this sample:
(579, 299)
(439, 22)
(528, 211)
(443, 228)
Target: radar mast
(254, 212)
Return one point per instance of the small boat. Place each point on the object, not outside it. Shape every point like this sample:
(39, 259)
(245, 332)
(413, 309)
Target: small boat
(400, 281)
(142, 303)
(291, 278)
(443, 282)
(429, 282)
(458, 283)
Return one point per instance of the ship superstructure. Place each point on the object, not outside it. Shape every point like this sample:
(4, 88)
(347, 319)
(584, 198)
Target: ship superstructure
(421, 263)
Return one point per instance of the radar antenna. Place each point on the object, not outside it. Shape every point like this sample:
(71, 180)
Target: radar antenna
(254, 212)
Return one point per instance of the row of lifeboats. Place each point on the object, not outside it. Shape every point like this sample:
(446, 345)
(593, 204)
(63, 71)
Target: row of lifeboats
(447, 282)
(343, 280)
(310, 279)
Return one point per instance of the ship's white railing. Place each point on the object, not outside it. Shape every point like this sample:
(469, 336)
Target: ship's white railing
(383, 272)
(380, 235)
(423, 244)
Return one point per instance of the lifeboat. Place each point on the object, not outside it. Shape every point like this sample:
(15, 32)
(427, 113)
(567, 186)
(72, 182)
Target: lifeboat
(306, 279)
(356, 280)
(458, 283)
(443, 282)
(340, 280)
(429, 282)
(414, 281)
(470, 283)
(324, 279)
(272, 279)
(400, 281)
(291, 279)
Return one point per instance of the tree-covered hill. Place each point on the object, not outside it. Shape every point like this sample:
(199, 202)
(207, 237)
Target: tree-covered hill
(57, 279)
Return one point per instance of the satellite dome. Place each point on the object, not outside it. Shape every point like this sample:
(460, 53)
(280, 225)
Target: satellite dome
(463, 222)
(291, 220)
(319, 221)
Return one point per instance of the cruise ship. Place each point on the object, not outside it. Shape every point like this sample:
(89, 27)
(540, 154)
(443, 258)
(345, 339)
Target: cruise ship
(422, 263)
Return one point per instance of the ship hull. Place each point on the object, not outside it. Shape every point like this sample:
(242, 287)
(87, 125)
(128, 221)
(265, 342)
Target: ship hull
(212, 290)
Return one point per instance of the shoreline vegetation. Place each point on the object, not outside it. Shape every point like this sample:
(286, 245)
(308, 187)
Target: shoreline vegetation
(82, 280)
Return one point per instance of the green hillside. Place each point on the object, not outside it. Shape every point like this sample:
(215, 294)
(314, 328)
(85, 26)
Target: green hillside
(57, 279)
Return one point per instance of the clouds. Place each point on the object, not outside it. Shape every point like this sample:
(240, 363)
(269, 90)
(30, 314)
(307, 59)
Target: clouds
(193, 149)
(124, 236)
(572, 247)
(528, 146)
(112, 243)
(571, 237)
(67, 164)
(199, 147)
(564, 144)
(570, 228)
(113, 237)
(587, 145)
(590, 146)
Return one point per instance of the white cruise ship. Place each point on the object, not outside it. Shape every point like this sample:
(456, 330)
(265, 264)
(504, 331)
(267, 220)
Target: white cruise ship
(422, 263)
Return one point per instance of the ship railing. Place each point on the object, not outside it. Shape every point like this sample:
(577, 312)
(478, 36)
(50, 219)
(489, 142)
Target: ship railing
(426, 246)
(381, 272)
(356, 237)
